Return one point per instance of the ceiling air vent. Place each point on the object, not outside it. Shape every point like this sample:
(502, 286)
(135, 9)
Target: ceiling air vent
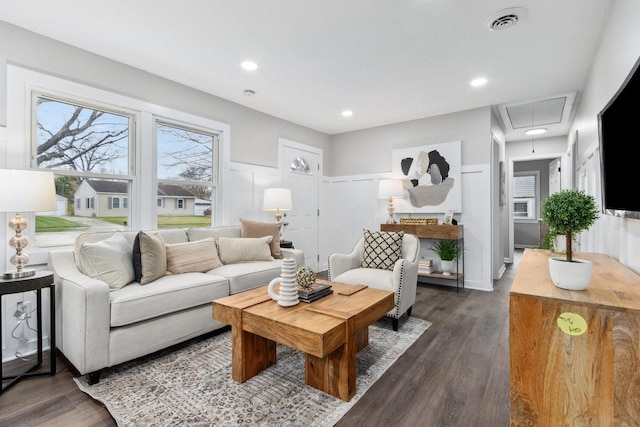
(505, 18)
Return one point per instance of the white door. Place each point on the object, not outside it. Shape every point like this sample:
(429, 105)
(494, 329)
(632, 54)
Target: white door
(554, 176)
(300, 166)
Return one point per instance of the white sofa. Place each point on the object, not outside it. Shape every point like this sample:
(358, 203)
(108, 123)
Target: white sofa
(98, 326)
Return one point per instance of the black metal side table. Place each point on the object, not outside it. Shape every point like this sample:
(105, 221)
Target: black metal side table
(42, 279)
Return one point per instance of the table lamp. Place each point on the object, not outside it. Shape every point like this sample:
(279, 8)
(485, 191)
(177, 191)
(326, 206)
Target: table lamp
(24, 191)
(277, 199)
(391, 189)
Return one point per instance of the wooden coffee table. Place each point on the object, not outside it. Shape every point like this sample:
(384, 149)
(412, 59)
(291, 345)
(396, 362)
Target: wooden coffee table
(330, 331)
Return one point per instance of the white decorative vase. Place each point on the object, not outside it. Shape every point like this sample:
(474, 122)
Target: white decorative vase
(287, 295)
(447, 267)
(574, 276)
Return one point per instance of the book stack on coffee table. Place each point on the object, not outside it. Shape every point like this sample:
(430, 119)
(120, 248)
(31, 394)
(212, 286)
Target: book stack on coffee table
(314, 292)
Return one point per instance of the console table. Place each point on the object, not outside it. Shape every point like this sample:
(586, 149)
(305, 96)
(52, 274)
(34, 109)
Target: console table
(433, 231)
(574, 354)
(42, 279)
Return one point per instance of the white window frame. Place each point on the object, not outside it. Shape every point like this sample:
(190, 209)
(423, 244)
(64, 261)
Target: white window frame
(21, 83)
(534, 202)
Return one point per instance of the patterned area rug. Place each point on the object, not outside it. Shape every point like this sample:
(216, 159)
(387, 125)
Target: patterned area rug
(192, 386)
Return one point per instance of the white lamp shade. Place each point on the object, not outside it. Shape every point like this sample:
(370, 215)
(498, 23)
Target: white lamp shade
(390, 188)
(277, 199)
(27, 191)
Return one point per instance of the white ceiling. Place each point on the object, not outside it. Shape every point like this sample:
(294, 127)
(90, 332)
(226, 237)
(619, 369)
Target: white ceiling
(387, 60)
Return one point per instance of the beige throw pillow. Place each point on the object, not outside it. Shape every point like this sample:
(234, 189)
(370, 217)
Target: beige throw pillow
(198, 256)
(249, 228)
(109, 260)
(153, 257)
(232, 250)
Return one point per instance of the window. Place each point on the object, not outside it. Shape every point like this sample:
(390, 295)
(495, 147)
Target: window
(87, 147)
(186, 174)
(525, 195)
(109, 141)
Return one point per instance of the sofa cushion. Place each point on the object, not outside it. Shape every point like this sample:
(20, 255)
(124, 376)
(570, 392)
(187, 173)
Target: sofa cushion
(381, 249)
(199, 233)
(372, 277)
(153, 257)
(109, 260)
(248, 275)
(198, 256)
(169, 294)
(249, 228)
(244, 249)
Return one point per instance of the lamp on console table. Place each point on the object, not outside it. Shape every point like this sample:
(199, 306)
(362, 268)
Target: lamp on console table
(24, 191)
(392, 189)
(277, 199)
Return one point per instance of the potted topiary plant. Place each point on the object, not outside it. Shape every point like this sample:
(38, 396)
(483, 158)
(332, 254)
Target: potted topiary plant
(569, 212)
(447, 250)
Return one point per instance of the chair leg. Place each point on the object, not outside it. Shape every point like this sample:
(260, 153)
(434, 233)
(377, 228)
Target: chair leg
(409, 311)
(394, 322)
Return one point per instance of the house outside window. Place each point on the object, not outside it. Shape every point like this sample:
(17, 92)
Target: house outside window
(106, 136)
(526, 191)
(186, 173)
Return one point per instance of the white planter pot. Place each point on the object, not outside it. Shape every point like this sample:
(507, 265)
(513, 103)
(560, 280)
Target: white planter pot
(575, 275)
(447, 267)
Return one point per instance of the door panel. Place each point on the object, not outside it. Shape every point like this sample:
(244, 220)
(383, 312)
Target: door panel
(300, 225)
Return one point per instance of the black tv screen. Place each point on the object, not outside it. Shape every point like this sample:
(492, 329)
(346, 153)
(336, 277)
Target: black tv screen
(619, 132)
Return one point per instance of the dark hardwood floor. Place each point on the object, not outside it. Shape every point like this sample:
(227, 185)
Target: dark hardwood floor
(456, 374)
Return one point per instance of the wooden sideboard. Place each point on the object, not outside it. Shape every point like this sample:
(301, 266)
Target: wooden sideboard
(439, 231)
(584, 374)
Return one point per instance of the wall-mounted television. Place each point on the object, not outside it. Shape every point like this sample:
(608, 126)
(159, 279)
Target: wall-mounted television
(619, 133)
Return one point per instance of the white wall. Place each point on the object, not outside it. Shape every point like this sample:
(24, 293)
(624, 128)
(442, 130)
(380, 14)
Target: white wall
(358, 159)
(618, 51)
(356, 206)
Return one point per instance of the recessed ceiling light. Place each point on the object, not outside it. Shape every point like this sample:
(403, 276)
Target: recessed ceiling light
(480, 81)
(249, 65)
(249, 92)
(539, 131)
(347, 113)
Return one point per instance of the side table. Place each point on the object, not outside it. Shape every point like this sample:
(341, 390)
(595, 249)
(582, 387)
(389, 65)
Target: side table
(42, 279)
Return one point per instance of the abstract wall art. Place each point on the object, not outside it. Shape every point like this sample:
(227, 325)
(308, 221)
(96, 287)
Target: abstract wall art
(431, 176)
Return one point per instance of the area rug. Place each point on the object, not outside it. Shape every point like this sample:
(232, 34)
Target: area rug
(192, 386)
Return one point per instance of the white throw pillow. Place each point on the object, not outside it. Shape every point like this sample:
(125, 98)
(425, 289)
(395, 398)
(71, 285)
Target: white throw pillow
(232, 250)
(109, 260)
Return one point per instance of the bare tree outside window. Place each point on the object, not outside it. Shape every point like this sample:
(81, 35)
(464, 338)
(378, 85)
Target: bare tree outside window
(185, 172)
(86, 148)
(72, 137)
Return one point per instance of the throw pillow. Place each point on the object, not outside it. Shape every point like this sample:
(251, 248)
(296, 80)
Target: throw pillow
(249, 228)
(137, 259)
(381, 249)
(109, 260)
(198, 256)
(232, 250)
(153, 257)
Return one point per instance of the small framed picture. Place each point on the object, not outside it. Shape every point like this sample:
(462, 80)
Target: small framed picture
(448, 218)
